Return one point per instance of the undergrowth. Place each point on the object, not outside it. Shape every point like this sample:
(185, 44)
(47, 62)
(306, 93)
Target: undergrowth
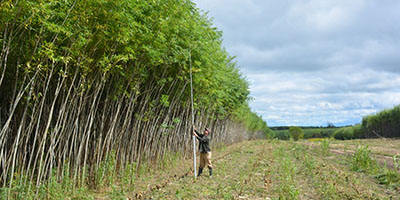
(362, 161)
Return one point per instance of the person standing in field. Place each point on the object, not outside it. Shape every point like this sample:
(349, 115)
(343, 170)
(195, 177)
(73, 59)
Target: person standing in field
(205, 151)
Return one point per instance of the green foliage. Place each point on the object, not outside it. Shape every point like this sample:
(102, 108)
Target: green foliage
(383, 124)
(282, 134)
(309, 132)
(164, 100)
(117, 193)
(318, 132)
(287, 173)
(325, 146)
(103, 56)
(253, 122)
(389, 177)
(52, 189)
(348, 133)
(344, 134)
(115, 38)
(296, 133)
(362, 160)
(358, 132)
(132, 44)
(271, 134)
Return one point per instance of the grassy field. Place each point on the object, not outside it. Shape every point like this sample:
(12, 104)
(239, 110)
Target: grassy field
(273, 169)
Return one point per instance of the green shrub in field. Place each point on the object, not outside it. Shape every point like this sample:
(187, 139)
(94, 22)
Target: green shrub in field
(362, 160)
(296, 133)
(325, 146)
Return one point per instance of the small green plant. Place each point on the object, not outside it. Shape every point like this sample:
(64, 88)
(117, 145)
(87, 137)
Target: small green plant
(324, 144)
(169, 160)
(391, 176)
(106, 172)
(362, 160)
(127, 176)
(396, 162)
(309, 163)
(298, 150)
(117, 193)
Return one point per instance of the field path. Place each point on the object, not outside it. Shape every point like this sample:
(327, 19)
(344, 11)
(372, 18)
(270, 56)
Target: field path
(235, 175)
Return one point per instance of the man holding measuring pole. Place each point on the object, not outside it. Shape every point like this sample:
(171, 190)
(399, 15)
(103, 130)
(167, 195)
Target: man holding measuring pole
(204, 148)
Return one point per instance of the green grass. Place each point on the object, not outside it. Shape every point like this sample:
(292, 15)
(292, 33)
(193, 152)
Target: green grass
(52, 189)
(283, 170)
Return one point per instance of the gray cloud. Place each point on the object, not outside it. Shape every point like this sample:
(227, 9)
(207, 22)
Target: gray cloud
(312, 61)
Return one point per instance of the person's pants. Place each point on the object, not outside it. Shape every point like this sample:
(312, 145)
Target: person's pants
(205, 159)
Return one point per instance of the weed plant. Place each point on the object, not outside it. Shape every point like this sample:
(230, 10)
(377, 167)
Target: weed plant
(324, 144)
(362, 160)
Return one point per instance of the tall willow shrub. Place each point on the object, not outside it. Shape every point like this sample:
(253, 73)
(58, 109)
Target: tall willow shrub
(383, 124)
(83, 82)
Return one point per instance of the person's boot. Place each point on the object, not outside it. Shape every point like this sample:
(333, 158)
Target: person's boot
(200, 171)
(210, 170)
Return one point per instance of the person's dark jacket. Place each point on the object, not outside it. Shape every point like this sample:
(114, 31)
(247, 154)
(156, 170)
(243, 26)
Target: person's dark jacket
(204, 141)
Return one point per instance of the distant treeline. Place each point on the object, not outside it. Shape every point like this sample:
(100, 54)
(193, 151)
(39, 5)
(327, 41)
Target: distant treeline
(315, 132)
(382, 124)
(305, 127)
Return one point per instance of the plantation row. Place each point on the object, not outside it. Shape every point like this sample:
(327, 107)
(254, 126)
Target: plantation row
(83, 82)
(383, 124)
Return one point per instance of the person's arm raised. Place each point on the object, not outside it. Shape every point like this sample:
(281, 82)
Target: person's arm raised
(195, 132)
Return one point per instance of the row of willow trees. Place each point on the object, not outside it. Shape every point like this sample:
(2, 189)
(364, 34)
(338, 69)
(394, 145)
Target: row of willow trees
(383, 124)
(84, 80)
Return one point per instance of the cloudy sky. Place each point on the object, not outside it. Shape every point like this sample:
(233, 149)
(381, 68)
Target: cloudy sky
(310, 62)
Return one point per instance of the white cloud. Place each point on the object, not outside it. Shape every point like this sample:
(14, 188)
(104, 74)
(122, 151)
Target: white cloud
(318, 97)
(326, 15)
(312, 61)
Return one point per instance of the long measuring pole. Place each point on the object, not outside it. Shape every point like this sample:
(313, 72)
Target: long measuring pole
(191, 99)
